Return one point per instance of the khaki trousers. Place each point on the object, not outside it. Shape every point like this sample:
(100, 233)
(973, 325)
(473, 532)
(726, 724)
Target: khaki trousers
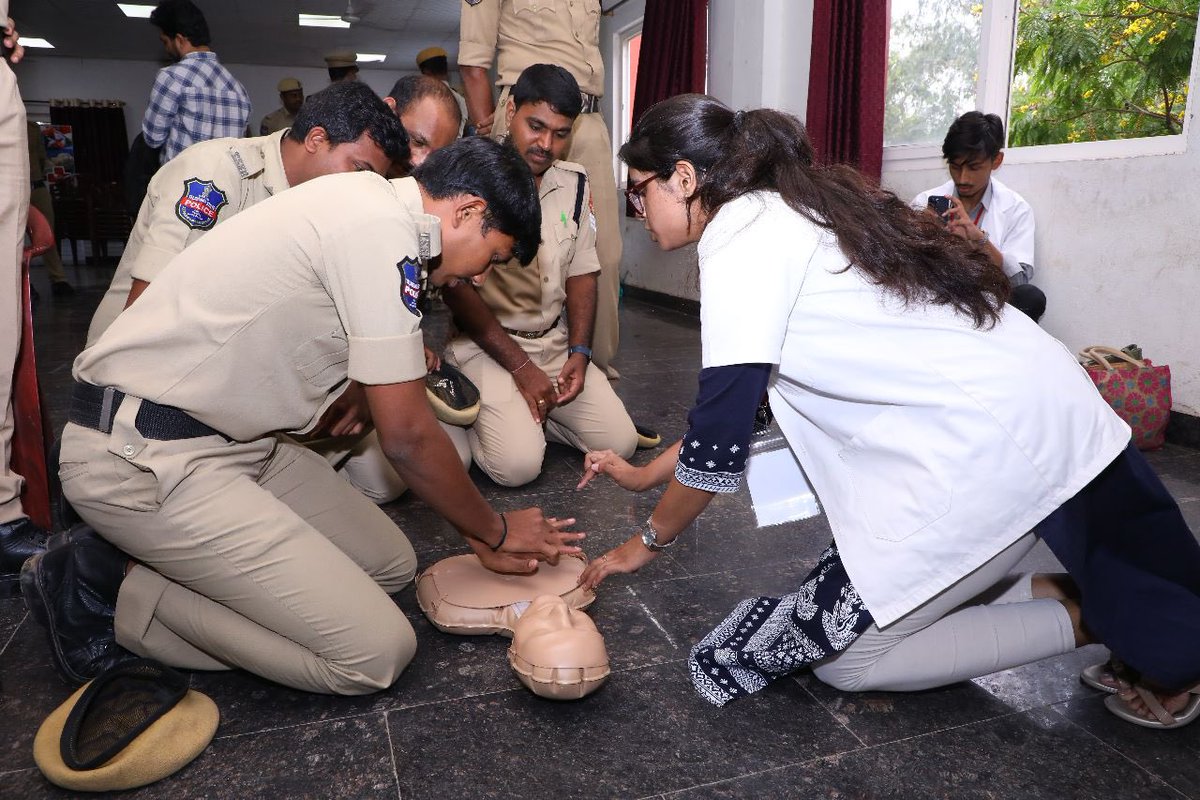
(505, 441)
(14, 200)
(40, 199)
(252, 555)
(591, 147)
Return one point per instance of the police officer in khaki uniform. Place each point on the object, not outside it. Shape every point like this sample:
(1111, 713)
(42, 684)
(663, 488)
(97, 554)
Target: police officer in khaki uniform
(250, 552)
(20, 537)
(433, 62)
(528, 330)
(513, 34)
(291, 94)
(340, 129)
(342, 66)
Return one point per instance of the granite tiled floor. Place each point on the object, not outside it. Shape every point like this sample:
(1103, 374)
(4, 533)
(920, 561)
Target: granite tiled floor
(458, 724)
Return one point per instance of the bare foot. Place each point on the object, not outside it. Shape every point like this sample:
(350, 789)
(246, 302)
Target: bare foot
(1173, 703)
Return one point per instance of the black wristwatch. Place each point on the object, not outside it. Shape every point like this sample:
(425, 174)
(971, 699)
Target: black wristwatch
(580, 348)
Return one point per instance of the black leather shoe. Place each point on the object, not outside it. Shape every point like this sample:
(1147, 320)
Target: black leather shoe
(19, 541)
(646, 437)
(71, 590)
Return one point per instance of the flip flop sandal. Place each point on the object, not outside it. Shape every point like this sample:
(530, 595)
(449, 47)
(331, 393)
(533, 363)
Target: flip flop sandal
(1163, 719)
(1112, 676)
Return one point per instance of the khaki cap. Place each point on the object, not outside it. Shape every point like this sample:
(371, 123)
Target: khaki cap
(428, 53)
(289, 85)
(342, 58)
(169, 743)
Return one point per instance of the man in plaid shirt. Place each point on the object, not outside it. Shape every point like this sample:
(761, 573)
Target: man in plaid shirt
(195, 99)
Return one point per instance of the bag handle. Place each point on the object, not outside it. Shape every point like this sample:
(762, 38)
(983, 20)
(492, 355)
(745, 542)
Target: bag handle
(1097, 353)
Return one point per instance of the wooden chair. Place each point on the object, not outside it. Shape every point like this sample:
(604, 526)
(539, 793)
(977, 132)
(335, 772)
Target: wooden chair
(72, 215)
(29, 445)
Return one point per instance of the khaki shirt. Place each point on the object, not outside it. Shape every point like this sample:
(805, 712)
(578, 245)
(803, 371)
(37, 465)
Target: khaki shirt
(277, 120)
(516, 34)
(531, 298)
(203, 186)
(256, 328)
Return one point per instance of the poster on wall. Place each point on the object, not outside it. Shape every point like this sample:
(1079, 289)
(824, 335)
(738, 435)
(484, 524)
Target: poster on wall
(60, 149)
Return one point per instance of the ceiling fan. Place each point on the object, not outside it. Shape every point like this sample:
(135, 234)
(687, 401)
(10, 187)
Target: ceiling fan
(356, 10)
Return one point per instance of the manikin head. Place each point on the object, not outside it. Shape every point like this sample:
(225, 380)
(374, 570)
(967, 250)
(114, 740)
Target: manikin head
(557, 652)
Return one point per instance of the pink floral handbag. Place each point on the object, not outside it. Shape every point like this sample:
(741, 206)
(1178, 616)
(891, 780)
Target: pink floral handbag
(1138, 391)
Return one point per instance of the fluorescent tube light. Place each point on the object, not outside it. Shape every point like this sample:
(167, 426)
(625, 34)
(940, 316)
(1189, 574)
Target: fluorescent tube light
(323, 21)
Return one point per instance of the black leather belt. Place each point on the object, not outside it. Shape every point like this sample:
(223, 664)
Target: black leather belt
(591, 103)
(95, 406)
(533, 334)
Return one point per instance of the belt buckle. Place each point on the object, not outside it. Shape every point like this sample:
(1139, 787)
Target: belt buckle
(108, 409)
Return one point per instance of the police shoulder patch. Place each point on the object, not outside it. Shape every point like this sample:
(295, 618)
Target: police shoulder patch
(200, 203)
(410, 275)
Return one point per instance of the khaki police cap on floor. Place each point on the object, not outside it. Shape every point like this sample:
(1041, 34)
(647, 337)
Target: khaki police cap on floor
(428, 53)
(342, 58)
(289, 85)
(134, 724)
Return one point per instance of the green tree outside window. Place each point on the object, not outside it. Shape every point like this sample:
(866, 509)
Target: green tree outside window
(1094, 70)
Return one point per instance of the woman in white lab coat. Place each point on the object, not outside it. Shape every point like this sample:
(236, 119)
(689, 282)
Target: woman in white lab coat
(941, 431)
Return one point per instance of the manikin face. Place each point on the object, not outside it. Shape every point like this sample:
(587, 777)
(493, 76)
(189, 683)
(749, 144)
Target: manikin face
(971, 174)
(552, 634)
(539, 133)
(429, 127)
(666, 214)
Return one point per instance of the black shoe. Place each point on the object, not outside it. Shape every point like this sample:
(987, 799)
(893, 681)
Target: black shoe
(19, 541)
(646, 437)
(71, 590)
(62, 289)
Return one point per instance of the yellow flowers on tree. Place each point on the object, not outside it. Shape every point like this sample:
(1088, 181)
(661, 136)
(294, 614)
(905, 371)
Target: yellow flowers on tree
(1093, 70)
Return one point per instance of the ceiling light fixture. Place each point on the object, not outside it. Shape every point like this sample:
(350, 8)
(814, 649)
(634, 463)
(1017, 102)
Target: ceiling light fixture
(135, 10)
(33, 41)
(369, 57)
(322, 21)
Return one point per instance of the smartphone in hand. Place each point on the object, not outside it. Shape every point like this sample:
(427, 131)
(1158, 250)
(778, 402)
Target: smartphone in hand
(940, 204)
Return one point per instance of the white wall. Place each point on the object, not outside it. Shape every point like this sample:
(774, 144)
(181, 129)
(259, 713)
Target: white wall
(49, 77)
(757, 56)
(1118, 246)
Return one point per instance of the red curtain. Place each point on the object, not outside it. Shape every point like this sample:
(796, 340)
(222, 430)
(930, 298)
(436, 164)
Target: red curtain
(674, 57)
(674, 53)
(847, 82)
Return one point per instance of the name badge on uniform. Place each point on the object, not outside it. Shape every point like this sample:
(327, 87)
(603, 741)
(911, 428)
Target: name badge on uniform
(200, 204)
(410, 273)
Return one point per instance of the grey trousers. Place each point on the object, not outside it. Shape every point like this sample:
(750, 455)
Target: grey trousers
(985, 623)
(253, 555)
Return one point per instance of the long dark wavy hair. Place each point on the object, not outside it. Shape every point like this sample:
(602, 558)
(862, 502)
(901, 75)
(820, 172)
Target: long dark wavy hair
(906, 252)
